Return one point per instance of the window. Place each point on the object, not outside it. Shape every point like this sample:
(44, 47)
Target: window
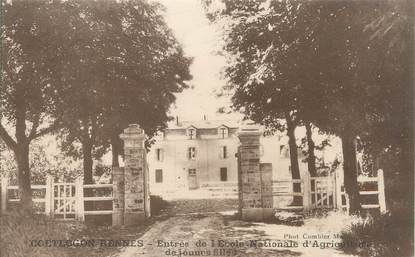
(159, 154)
(191, 153)
(223, 152)
(223, 174)
(159, 176)
(192, 172)
(223, 132)
(191, 133)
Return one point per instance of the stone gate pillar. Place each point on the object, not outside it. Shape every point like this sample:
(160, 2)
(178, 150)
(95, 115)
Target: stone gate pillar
(131, 194)
(118, 196)
(255, 178)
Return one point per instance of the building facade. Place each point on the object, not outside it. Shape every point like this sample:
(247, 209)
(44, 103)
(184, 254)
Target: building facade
(188, 154)
(192, 154)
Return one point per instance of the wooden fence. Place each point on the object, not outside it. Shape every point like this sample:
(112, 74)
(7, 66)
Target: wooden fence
(62, 200)
(369, 186)
(68, 200)
(220, 189)
(328, 192)
(283, 193)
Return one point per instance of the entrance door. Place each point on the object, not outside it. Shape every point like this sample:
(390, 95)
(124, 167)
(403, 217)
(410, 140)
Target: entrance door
(192, 179)
(223, 174)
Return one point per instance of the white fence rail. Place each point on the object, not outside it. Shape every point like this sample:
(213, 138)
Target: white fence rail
(379, 192)
(62, 200)
(225, 189)
(328, 192)
(283, 192)
(68, 200)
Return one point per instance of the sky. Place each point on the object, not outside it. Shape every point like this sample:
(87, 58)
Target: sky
(200, 40)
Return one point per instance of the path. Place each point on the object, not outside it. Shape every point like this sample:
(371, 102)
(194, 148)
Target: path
(178, 235)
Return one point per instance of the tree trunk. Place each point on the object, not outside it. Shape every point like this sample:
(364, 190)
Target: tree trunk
(21, 152)
(115, 149)
(295, 169)
(350, 172)
(23, 174)
(87, 162)
(311, 158)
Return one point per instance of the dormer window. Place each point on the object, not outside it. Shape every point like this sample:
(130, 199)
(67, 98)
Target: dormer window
(223, 132)
(191, 133)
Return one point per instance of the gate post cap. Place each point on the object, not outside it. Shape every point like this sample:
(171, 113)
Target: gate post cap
(250, 129)
(133, 131)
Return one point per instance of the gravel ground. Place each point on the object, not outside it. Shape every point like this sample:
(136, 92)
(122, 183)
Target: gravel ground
(201, 206)
(187, 228)
(184, 226)
(178, 236)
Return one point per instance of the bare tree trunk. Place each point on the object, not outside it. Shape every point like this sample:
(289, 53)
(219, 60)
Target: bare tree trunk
(23, 174)
(311, 158)
(21, 152)
(295, 169)
(87, 162)
(350, 172)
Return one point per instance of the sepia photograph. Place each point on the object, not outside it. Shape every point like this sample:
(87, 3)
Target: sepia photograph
(228, 128)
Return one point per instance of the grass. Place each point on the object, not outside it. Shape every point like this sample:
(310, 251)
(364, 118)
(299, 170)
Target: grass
(388, 235)
(18, 229)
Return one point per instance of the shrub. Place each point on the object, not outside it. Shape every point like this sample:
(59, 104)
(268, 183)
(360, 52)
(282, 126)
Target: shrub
(18, 228)
(157, 204)
(387, 235)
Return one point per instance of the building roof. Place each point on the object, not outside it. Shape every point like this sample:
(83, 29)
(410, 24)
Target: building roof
(204, 124)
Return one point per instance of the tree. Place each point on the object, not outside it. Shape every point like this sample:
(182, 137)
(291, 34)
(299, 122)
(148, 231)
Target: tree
(311, 158)
(389, 144)
(363, 79)
(31, 63)
(317, 59)
(130, 66)
(163, 71)
(262, 43)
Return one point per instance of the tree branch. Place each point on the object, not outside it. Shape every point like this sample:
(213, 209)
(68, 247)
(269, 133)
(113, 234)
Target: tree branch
(35, 125)
(7, 138)
(56, 124)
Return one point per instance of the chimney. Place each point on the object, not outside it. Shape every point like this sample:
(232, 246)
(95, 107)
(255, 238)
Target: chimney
(177, 120)
(204, 117)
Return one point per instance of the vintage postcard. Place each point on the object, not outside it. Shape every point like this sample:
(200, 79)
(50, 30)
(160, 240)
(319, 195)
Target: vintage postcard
(175, 128)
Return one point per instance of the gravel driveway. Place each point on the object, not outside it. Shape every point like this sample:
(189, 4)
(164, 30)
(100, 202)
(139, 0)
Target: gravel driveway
(216, 234)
